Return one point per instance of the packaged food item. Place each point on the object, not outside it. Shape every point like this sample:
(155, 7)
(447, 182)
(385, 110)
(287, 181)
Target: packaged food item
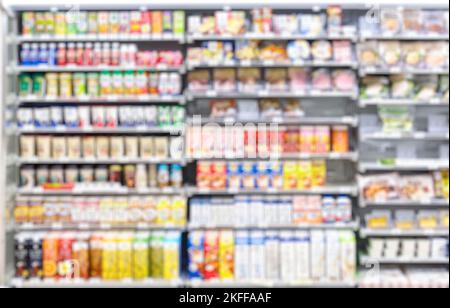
(391, 54)
(50, 256)
(344, 80)
(224, 80)
(198, 81)
(276, 80)
(321, 80)
(412, 21)
(322, 51)
(426, 88)
(379, 220)
(434, 22)
(342, 51)
(340, 137)
(416, 187)
(247, 50)
(270, 51)
(298, 79)
(401, 87)
(270, 108)
(374, 87)
(211, 253)
(196, 255)
(427, 219)
(299, 50)
(368, 54)
(405, 219)
(391, 21)
(380, 188)
(436, 55)
(249, 79)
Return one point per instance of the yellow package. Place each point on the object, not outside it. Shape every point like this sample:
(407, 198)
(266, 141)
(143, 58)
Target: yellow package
(149, 210)
(319, 174)
(163, 208)
(171, 264)
(156, 255)
(178, 211)
(304, 175)
(445, 183)
(444, 219)
(226, 255)
(125, 255)
(141, 256)
(106, 210)
(290, 176)
(109, 258)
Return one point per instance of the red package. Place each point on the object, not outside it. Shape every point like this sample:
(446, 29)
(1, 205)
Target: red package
(211, 269)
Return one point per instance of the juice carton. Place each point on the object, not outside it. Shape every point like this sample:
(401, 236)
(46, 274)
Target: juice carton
(178, 211)
(96, 255)
(179, 22)
(272, 255)
(196, 255)
(348, 255)
(110, 260)
(333, 256)
(171, 264)
(157, 254)
(226, 255)
(257, 267)
(322, 139)
(307, 139)
(319, 173)
(50, 255)
(242, 256)
(157, 22)
(288, 261)
(163, 208)
(290, 176)
(211, 269)
(304, 175)
(125, 255)
(167, 22)
(141, 256)
(318, 255)
(302, 251)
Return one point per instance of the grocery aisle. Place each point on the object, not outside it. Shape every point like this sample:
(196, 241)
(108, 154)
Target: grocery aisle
(197, 147)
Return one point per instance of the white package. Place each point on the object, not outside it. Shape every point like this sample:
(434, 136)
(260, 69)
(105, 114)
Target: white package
(302, 250)
(333, 257)
(317, 255)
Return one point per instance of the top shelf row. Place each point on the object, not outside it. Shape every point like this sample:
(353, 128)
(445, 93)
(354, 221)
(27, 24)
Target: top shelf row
(257, 24)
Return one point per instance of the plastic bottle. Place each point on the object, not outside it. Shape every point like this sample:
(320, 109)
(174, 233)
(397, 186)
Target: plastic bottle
(43, 54)
(62, 54)
(88, 55)
(97, 60)
(71, 54)
(106, 54)
(115, 54)
(52, 54)
(25, 56)
(80, 54)
(34, 54)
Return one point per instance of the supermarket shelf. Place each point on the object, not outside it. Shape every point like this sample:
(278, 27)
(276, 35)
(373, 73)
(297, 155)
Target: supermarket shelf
(403, 102)
(364, 232)
(406, 203)
(402, 261)
(87, 161)
(106, 190)
(345, 120)
(268, 64)
(391, 71)
(413, 165)
(330, 190)
(269, 36)
(19, 283)
(49, 69)
(138, 130)
(352, 156)
(268, 94)
(405, 37)
(95, 38)
(407, 136)
(94, 227)
(267, 284)
(108, 100)
(336, 226)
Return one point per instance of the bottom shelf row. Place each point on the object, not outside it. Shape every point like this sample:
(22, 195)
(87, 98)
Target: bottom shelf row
(293, 257)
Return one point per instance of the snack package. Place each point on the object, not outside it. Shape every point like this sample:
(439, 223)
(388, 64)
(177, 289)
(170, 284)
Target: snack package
(375, 87)
(270, 108)
(379, 220)
(391, 21)
(412, 21)
(249, 80)
(342, 51)
(416, 187)
(198, 81)
(405, 219)
(436, 55)
(444, 88)
(321, 80)
(299, 50)
(368, 54)
(211, 263)
(402, 87)
(224, 80)
(226, 255)
(428, 219)
(196, 255)
(322, 51)
(344, 80)
(298, 79)
(312, 24)
(293, 109)
(426, 88)
(413, 55)
(379, 188)
(396, 119)
(223, 108)
(247, 50)
(276, 80)
(390, 53)
(270, 51)
(434, 22)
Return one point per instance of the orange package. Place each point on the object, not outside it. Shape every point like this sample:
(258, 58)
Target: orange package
(157, 22)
